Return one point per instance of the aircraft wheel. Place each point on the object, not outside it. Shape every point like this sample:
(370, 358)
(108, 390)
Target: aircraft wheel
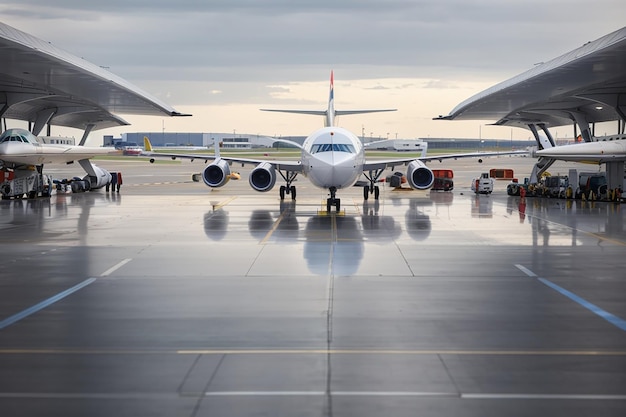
(328, 205)
(293, 192)
(376, 192)
(337, 204)
(282, 192)
(366, 192)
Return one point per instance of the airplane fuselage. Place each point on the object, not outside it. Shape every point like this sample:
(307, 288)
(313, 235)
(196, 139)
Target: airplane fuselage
(612, 148)
(20, 147)
(332, 157)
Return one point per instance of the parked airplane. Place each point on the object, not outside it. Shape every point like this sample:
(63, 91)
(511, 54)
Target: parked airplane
(557, 93)
(600, 150)
(19, 149)
(332, 158)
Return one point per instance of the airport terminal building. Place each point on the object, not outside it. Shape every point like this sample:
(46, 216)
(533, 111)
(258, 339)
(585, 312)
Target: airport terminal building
(245, 141)
(207, 140)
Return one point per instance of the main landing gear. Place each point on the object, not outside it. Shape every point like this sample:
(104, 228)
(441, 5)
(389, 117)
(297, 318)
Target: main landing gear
(371, 189)
(332, 200)
(288, 189)
(372, 177)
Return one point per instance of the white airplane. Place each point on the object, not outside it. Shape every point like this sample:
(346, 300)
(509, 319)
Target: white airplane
(19, 149)
(609, 150)
(332, 158)
(601, 150)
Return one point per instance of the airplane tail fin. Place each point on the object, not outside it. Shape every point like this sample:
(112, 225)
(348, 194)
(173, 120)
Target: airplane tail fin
(147, 146)
(330, 113)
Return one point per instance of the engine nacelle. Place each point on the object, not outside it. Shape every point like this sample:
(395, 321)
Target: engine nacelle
(263, 177)
(419, 175)
(101, 179)
(216, 174)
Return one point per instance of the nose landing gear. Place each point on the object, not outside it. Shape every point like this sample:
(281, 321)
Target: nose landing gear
(332, 200)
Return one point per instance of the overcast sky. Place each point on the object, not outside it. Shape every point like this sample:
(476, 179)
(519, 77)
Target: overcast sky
(222, 60)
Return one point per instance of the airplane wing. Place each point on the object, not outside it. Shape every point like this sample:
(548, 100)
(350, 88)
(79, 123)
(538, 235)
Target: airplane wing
(375, 164)
(296, 166)
(285, 165)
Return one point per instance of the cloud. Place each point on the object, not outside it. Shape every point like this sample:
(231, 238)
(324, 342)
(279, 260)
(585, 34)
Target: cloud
(280, 52)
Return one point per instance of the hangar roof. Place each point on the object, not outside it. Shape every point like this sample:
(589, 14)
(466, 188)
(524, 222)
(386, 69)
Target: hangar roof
(589, 81)
(41, 83)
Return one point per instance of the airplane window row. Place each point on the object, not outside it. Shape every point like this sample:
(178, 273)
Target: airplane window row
(332, 147)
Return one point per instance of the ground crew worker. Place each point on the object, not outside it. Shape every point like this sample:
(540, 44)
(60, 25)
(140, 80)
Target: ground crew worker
(119, 181)
(113, 182)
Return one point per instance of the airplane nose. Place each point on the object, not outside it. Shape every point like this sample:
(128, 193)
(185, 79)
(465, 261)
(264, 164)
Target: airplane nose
(335, 170)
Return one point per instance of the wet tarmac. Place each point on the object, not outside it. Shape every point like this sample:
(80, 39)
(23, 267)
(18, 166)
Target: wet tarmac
(169, 299)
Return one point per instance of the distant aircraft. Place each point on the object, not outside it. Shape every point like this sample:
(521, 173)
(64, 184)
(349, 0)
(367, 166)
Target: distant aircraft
(332, 158)
(20, 149)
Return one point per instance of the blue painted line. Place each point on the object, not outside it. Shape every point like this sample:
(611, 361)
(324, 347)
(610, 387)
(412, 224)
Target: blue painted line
(32, 310)
(611, 318)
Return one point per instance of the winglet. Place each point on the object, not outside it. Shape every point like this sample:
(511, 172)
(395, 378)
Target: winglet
(147, 146)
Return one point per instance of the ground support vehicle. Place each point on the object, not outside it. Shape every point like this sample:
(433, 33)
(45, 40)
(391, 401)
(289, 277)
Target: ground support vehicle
(24, 183)
(482, 184)
(443, 180)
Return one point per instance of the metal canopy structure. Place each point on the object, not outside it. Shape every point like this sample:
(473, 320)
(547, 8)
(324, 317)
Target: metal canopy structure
(584, 86)
(44, 85)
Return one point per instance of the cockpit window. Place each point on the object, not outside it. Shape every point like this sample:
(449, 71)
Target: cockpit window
(14, 135)
(14, 138)
(332, 147)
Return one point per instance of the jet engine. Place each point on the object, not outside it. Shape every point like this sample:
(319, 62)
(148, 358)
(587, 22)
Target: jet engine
(419, 175)
(216, 174)
(101, 179)
(263, 177)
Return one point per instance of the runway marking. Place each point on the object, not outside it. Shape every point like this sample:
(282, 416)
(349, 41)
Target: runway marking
(311, 352)
(423, 394)
(599, 237)
(263, 393)
(89, 395)
(269, 234)
(543, 397)
(220, 205)
(40, 306)
(332, 393)
(614, 320)
(148, 395)
(406, 352)
(115, 267)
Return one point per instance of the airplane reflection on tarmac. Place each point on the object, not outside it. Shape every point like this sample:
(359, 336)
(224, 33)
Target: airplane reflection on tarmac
(566, 218)
(332, 244)
(31, 215)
